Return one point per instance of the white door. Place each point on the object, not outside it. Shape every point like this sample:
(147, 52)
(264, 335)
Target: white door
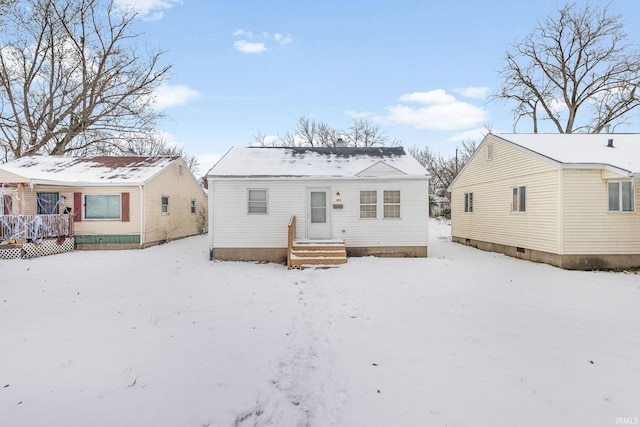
(318, 214)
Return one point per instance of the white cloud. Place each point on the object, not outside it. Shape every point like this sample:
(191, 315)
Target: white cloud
(456, 115)
(242, 33)
(359, 114)
(441, 112)
(171, 96)
(282, 39)
(245, 46)
(249, 44)
(473, 134)
(151, 10)
(437, 96)
(558, 105)
(475, 92)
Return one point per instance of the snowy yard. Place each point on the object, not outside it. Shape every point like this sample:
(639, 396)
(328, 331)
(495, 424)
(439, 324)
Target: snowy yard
(165, 337)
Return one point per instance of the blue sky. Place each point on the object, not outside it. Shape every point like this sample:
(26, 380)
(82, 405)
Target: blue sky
(421, 70)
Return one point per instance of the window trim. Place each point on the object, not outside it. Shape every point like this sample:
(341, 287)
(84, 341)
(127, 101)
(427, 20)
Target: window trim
(55, 205)
(193, 206)
(385, 204)
(162, 205)
(84, 210)
(255, 202)
(519, 195)
(360, 205)
(468, 202)
(620, 209)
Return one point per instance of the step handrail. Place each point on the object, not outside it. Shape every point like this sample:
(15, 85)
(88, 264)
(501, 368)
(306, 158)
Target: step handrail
(291, 230)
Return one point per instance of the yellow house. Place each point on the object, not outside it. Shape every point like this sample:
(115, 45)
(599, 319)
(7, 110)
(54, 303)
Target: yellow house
(109, 202)
(570, 200)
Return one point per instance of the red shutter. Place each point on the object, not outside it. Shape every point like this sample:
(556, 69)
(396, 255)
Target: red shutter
(125, 207)
(7, 203)
(77, 207)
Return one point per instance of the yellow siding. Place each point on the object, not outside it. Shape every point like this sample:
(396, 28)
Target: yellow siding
(589, 227)
(491, 182)
(88, 227)
(6, 177)
(181, 187)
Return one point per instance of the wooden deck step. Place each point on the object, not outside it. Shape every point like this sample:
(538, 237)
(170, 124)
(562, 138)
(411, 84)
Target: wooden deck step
(318, 253)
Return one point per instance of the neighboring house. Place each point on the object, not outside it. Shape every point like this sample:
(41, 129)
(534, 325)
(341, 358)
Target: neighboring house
(373, 199)
(114, 202)
(570, 200)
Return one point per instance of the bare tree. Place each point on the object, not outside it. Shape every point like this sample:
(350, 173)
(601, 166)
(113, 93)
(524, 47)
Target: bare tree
(576, 70)
(312, 133)
(72, 76)
(443, 169)
(363, 133)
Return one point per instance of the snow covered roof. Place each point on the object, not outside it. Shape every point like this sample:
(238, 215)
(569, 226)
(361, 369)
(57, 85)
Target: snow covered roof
(62, 170)
(584, 150)
(315, 162)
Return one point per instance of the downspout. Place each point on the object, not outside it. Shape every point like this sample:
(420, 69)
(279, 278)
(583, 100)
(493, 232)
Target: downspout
(142, 225)
(210, 219)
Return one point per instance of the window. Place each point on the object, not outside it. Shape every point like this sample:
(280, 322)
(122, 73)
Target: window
(518, 203)
(48, 203)
(621, 196)
(102, 206)
(468, 202)
(193, 206)
(165, 205)
(257, 201)
(391, 200)
(368, 204)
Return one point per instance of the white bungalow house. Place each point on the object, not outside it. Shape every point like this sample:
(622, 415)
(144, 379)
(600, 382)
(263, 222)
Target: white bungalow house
(99, 202)
(374, 200)
(569, 200)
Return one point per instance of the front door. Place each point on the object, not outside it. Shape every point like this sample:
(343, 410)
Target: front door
(318, 213)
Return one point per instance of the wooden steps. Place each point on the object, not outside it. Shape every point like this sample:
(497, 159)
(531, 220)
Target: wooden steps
(317, 253)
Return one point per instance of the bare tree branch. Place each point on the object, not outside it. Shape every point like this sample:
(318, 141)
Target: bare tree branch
(71, 74)
(576, 70)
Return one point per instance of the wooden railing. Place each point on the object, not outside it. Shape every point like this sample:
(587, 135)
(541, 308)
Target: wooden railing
(24, 228)
(291, 237)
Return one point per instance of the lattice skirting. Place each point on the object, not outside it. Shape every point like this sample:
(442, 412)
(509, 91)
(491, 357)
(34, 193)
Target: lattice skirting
(32, 250)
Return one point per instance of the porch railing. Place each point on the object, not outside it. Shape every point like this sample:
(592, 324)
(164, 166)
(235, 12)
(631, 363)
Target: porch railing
(291, 237)
(25, 228)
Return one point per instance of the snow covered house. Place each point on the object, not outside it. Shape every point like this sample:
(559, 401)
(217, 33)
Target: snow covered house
(570, 200)
(105, 202)
(263, 200)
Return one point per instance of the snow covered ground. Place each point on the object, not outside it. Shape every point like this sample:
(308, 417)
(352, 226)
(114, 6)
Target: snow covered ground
(165, 337)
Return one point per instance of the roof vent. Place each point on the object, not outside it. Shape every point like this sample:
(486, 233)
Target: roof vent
(610, 143)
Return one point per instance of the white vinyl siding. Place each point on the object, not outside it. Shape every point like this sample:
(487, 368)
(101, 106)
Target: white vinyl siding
(232, 228)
